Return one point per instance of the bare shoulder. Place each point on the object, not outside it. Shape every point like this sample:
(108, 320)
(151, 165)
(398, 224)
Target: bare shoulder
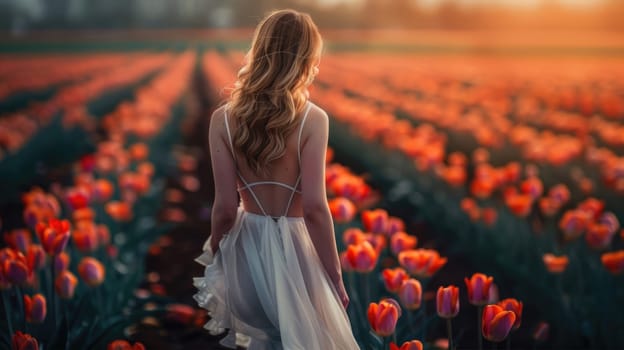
(217, 121)
(317, 120)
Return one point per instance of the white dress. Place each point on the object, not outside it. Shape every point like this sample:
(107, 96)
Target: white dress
(267, 282)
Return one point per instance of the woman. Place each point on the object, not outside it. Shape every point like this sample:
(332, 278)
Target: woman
(276, 273)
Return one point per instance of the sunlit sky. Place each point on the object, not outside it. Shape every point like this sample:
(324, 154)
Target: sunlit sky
(518, 3)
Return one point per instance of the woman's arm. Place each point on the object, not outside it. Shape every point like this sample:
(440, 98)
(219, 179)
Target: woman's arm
(316, 212)
(224, 174)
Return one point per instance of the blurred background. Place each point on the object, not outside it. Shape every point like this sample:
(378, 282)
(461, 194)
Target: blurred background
(492, 130)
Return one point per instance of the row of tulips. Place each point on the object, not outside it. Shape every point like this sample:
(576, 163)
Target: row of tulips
(111, 202)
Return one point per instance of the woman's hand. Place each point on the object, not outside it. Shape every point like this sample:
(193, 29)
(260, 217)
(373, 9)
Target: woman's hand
(342, 293)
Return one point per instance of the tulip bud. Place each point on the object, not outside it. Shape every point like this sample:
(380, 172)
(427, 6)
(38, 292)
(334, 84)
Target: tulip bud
(91, 271)
(401, 241)
(447, 301)
(35, 308)
(383, 317)
(408, 345)
(65, 284)
(61, 262)
(410, 294)
(23, 341)
(478, 288)
(511, 304)
(496, 323)
(342, 209)
(393, 278)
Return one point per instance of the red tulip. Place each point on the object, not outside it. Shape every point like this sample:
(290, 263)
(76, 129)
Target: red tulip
(410, 294)
(408, 345)
(375, 221)
(532, 186)
(496, 323)
(85, 236)
(611, 221)
(511, 304)
(574, 222)
(614, 261)
(478, 288)
(421, 262)
(362, 257)
(36, 257)
(393, 278)
(598, 236)
(548, 206)
(23, 341)
(15, 266)
(519, 204)
(401, 241)
(447, 301)
(555, 264)
(342, 209)
(91, 271)
(53, 235)
(383, 317)
(353, 235)
(65, 284)
(395, 225)
(35, 308)
(559, 193)
(61, 262)
(138, 151)
(77, 198)
(489, 216)
(124, 345)
(180, 313)
(19, 239)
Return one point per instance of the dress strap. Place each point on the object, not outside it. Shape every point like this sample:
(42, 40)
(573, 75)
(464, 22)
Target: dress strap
(253, 194)
(227, 129)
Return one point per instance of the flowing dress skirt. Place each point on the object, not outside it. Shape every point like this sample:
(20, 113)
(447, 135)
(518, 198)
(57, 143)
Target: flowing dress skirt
(267, 282)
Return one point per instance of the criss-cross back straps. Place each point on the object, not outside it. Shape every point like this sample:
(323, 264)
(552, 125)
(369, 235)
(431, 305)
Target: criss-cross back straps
(251, 184)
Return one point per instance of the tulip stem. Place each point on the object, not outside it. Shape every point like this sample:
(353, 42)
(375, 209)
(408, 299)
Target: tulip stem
(479, 326)
(53, 292)
(508, 343)
(20, 304)
(449, 327)
(7, 311)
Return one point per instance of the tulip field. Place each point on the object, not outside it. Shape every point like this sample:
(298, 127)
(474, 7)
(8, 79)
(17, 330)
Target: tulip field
(476, 199)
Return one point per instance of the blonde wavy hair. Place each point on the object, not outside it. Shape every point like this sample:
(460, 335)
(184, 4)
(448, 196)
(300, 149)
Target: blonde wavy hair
(271, 87)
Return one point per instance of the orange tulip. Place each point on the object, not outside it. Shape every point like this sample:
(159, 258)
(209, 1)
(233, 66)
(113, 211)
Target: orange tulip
(555, 264)
(401, 241)
(447, 301)
(533, 187)
(408, 345)
(91, 271)
(421, 262)
(496, 323)
(119, 211)
(353, 235)
(65, 284)
(613, 262)
(593, 206)
(77, 198)
(559, 193)
(35, 308)
(102, 190)
(138, 151)
(362, 257)
(375, 221)
(519, 204)
(611, 221)
(342, 209)
(85, 236)
(53, 235)
(395, 225)
(478, 288)
(410, 294)
(180, 313)
(393, 278)
(511, 304)
(383, 317)
(548, 206)
(598, 236)
(23, 341)
(574, 222)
